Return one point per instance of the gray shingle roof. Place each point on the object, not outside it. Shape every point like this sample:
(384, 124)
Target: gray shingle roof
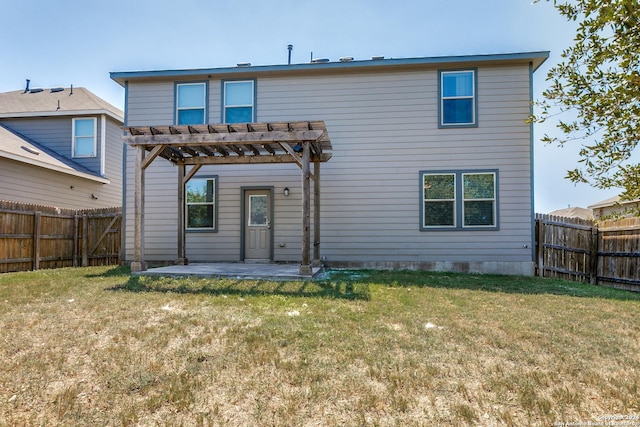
(51, 102)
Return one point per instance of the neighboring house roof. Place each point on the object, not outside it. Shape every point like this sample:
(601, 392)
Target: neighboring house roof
(19, 148)
(613, 202)
(320, 66)
(574, 212)
(55, 102)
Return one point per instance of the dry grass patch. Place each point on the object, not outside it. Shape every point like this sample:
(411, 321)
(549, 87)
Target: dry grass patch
(96, 346)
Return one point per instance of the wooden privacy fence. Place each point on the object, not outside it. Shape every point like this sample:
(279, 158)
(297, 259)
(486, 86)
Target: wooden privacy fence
(603, 253)
(36, 237)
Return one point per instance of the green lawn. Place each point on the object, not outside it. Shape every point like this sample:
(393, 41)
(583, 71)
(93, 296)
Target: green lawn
(96, 346)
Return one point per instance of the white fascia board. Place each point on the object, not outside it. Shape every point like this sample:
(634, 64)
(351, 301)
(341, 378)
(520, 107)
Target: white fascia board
(61, 113)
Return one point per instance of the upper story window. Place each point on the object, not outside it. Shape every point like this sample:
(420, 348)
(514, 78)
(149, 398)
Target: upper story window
(459, 200)
(84, 142)
(458, 101)
(190, 103)
(201, 203)
(239, 101)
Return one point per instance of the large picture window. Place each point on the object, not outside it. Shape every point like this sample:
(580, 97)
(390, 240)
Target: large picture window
(459, 200)
(238, 101)
(458, 98)
(201, 203)
(190, 103)
(84, 137)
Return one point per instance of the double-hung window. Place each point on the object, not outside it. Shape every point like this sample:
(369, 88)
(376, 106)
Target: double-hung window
(201, 195)
(84, 137)
(191, 101)
(458, 100)
(459, 200)
(238, 101)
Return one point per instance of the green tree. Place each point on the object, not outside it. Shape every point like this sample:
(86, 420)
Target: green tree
(597, 85)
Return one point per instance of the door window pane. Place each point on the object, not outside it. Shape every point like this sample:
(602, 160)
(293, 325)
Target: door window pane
(258, 210)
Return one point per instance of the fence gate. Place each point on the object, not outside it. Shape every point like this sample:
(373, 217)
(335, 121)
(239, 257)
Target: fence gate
(607, 253)
(36, 237)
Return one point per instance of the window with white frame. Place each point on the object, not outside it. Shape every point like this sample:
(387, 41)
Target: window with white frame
(190, 103)
(458, 99)
(84, 142)
(459, 200)
(238, 101)
(201, 203)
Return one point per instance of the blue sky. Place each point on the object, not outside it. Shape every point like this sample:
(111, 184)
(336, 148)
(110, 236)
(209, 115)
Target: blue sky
(64, 42)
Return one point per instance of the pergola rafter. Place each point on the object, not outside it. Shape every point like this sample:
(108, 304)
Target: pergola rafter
(301, 143)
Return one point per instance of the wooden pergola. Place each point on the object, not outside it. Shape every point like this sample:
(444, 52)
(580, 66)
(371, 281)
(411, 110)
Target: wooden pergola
(301, 143)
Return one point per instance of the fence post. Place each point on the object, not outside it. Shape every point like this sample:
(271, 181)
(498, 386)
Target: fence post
(76, 232)
(36, 239)
(85, 240)
(593, 249)
(540, 238)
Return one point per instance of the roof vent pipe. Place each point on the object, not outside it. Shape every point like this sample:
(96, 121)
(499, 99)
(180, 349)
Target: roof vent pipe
(71, 93)
(26, 89)
(289, 48)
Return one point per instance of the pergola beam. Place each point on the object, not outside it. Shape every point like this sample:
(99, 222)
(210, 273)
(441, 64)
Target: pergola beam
(230, 138)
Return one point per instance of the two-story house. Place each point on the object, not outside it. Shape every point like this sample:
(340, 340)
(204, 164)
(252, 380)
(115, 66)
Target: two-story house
(60, 147)
(422, 163)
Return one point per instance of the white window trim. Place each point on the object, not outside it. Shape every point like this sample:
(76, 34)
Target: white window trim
(472, 98)
(73, 137)
(455, 205)
(103, 144)
(204, 100)
(224, 101)
(493, 199)
(213, 203)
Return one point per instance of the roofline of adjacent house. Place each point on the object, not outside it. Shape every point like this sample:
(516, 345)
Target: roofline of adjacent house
(49, 166)
(613, 202)
(536, 58)
(62, 113)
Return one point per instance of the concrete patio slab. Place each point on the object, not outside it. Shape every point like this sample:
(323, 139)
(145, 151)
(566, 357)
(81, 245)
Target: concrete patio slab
(234, 270)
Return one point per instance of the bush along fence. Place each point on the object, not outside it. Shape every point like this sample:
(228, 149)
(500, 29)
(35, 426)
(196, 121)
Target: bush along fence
(602, 253)
(36, 237)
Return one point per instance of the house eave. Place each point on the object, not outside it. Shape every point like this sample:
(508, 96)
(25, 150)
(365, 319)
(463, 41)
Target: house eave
(61, 113)
(536, 58)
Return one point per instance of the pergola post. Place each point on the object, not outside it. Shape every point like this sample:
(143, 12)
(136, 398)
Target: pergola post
(316, 213)
(182, 244)
(138, 263)
(305, 264)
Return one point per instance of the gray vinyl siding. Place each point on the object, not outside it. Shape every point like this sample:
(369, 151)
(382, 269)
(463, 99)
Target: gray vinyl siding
(112, 192)
(384, 131)
(56, 133)
(33, 184)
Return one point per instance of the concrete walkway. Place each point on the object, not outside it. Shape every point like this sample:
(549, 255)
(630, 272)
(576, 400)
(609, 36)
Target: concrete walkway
(234, 270)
